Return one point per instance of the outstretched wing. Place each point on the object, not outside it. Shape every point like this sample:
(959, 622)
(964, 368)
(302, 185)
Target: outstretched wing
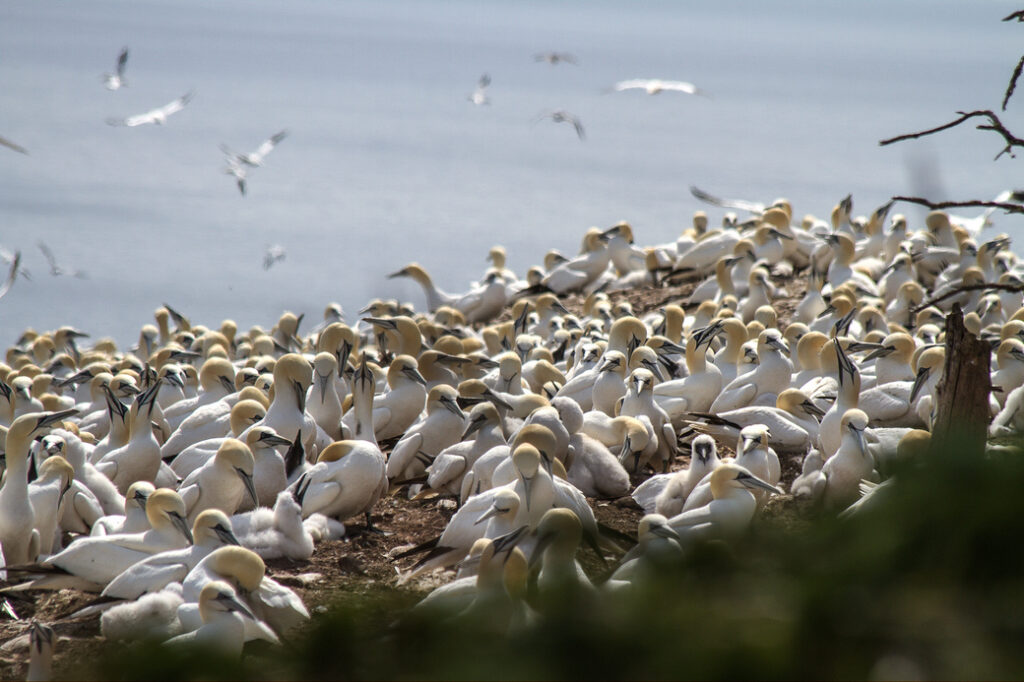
(738, 204)
(10, 145)
(11, 275)
(122, 60)
(268, 145)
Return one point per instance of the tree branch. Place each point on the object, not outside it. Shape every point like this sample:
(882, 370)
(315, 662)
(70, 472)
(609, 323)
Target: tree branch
(1013, 82)
(993, 124)
(941, 205)
(962, 289)
(1018, 15)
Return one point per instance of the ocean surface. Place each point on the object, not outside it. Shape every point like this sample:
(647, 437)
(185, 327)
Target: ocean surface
(387, 161)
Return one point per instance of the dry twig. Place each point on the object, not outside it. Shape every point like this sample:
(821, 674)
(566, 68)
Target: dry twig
(994, 124)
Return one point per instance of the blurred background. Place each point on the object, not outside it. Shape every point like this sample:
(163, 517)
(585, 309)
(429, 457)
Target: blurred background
(388, 162)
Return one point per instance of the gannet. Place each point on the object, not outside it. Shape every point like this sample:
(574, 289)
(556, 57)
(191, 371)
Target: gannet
(594, 470)
(558, 538)
(731, 509)
(442, 428)
(277, 608)
(41, 642)
(133, 519)
(255, 158)
(19, 541)
(221, 482)
(445, 472)
(654, 86)
(666, 493)
(210, 530)
(554, 58)
(347, 480)
(216, 381)
(395, 410)
(157, 116)
(100, 559)
(115, 81)
(479, 96)
(696, 391)
(139, 458)
(763, 384)
(792, 422)
(561, 116)
(486, 516)
(277, 532)
(75, 451)
(55, 268)
(223, 629)
(852, 462)
(639, 403)
(657, 548)
(293, 375)
(578, 273)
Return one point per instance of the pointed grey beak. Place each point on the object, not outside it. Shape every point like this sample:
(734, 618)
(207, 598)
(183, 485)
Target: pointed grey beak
(880, 352)
(666, 532)
(475, 424)
(181, 523)
(250, 487)
(232, 604)
(751, 481)
(225, 535)
(300, 395)
(382, 322)
(414, 375)
(919, 382)
(321, 384)
(452, 406)
(141, 498)
(274, 440)
(493, 511)
(50, 418)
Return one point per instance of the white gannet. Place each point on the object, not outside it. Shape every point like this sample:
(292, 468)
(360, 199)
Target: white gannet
(74, 450)
(115, 81)
(323, 402)
(657, 547)
(47, 496)
(561, 116)
(554, 58)
(293, 375)
(653, 86)
(792, 422)
(558, 538)
(246, 413)
(223, 627)
(594, 470)
(255, 158)
(139, 458)
(639, 403)
(99, 559)
(216, 381)
(269, 474)
(396, 409)
(695, 392)
(157, 116)
(347, 480)
(442, 428)
(731, 509)
(763, 384)
(211, 529)
(484, 516)
(221, 482)
(666, 493)
(446, 470)
(852, 462)
(19, 541)
(479, 96)
(134, 519)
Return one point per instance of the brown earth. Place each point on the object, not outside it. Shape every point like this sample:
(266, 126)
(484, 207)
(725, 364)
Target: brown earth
(360, 566)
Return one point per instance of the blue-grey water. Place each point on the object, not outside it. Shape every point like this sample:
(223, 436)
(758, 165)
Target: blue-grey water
(387, 161)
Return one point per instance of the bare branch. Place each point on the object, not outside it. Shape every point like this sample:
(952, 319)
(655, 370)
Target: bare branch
(994, 124)
(942, 205)
(1018, 15)
(1013, 82)
(967, 287)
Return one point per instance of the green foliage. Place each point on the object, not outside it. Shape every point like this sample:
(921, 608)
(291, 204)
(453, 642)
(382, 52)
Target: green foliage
(927, 582)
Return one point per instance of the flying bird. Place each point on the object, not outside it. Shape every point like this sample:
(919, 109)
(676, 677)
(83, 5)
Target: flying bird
(274, 253)
(560, 116)
(554, 58)
(16, 147)
(114, 81)
(236, 169)
(55, 269)
(255, 158)
(157, 116)
(11, 275)
(479, 96)
(736, 204)
(653, 86)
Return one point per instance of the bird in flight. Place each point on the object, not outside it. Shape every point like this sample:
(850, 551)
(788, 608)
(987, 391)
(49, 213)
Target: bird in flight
(157, 116)
(11, 145)
(274, 253)
(55, 268)
(236, 169)
(560, 116)
(554, 58)
(653, 86)
(114, 81)
(12, 274)
(255, 158)
(479, 96)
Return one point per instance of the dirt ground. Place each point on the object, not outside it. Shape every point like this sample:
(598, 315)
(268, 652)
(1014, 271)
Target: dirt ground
(361, 565)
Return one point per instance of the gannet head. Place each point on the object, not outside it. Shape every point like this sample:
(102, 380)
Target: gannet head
(294, 371)
(541, 438)
(770, 339)
(240, 564)
(613, 361)
(703, 448)
(56, 467)
(560, 528)
(217, 372)
(526, 459)
(473, 391)
(27, 426)
(445, 397)
(404, 368)
(928, 361)
(235, 456)
(506, 504)
(219, 597)
(655, 525)
(213, 527)
(731, 475)
(635, 440)
(138, 494)
(264, 437)
(164, 508)
(754, 435)
(482, 414)
(855, 421)
(497, 256)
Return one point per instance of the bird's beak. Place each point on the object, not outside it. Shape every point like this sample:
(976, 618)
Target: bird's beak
(919, 382)
(666, 532)
(752, 481)
(233, 604)
(226, 536)
(475, 424)
(274, 440)
(493, 511)
(181, 523)
(452, 406)
(300, 395)
(414, 375)
(250, 487)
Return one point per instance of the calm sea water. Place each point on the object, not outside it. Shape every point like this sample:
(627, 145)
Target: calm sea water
(388, 162)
